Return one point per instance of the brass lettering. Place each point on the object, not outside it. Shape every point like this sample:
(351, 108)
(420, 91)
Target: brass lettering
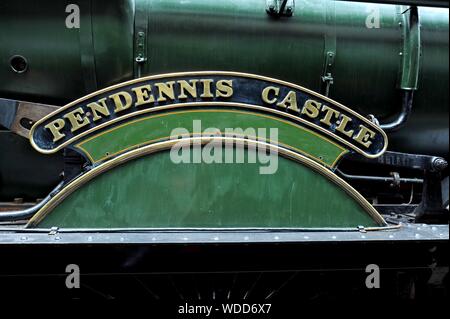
(345, 120)
(290, 102)
(166, 90)
(55, 128)
(122, 101)
(207, 93)
(143, 95)
(224, 88)
(190, 88)
(267, 92)
(76, 120)
(99, 107)
(364, 136)
(311, 108)
(329, 115)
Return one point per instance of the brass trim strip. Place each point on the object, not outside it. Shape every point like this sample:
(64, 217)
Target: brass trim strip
(206, 73)
(154, 148)
(207, 229)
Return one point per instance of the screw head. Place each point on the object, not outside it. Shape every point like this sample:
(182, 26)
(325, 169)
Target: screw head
(439, 164)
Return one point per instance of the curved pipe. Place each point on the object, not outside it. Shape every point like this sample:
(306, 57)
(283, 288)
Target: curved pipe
(402, 118)
(410, 66)
(28, 213)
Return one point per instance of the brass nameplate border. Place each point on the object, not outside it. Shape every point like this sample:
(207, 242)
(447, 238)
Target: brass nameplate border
(80, 118)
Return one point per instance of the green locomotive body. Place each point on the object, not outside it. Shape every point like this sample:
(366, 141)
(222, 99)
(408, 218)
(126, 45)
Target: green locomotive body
(115, 118)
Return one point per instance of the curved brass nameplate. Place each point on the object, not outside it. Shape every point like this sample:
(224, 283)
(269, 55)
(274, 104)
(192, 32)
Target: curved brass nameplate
(77, 120)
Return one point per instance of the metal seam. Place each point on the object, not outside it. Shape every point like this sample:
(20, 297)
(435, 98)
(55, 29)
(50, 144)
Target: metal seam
(87, 50)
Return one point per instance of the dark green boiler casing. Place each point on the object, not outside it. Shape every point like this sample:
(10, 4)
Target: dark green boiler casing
(235, 35)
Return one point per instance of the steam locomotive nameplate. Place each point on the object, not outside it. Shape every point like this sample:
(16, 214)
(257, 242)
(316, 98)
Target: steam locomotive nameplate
(222, 92)
(126, 133)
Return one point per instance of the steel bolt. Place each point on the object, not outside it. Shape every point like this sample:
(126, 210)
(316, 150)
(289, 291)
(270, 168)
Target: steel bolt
(439, 164)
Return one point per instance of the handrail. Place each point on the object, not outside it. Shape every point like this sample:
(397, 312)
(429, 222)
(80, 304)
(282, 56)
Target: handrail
(28, 213)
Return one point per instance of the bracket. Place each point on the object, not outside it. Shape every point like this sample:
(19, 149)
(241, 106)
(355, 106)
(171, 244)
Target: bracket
(280, 8)
(327, 77)
(140, 31)
(330, 51)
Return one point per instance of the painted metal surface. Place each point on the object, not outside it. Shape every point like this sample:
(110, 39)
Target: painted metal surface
(241, 36)
(135, 183)
(64, 63)
(408, 233)
(429, 122)
(412, 50)
(155, 192)
(426, 3)
(157, 128)
(233, 35)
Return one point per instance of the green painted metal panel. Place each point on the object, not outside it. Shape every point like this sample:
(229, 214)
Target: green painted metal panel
(236, 35)
(153, 192)
(156, 128)
(63, 63)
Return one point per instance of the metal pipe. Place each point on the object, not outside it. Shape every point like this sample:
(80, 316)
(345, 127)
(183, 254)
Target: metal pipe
(410, 67)
(380, 179)
(28, 213)
(405, 113)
